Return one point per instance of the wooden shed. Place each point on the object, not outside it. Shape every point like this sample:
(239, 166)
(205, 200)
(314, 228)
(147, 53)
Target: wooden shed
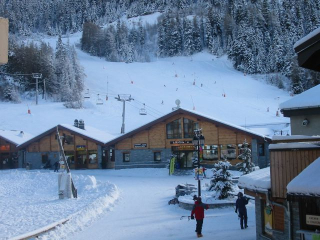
(153, 144)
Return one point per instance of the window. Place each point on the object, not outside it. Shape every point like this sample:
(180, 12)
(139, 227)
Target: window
(5, 147)
(174, 129)
(69, 156)
(126, 157)
(228, 151)
(93, 157)
(157, 156)
(210, 152)
(188, 128)
(261, 149)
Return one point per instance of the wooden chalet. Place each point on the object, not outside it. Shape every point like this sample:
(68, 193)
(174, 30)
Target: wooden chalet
(294, 215)
(83, 147)
(9, 155)
(153, 144)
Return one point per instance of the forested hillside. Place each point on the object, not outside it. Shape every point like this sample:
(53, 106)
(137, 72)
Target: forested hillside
(257, 35)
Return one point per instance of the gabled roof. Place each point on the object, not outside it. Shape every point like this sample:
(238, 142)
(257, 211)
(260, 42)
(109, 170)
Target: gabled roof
(15, 137)
(90, 133)
(308, 50)
(306, 100)
(194, 114)
(307, 182)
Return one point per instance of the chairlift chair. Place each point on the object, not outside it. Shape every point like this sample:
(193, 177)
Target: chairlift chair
(99, 100)
(143, 110)
(87, 94)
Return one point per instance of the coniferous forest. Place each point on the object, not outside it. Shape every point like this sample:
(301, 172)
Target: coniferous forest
(257, 36)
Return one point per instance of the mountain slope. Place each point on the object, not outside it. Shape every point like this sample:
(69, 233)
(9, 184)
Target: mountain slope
(202, 82)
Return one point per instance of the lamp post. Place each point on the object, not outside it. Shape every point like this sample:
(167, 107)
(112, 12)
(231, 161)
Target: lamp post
(198, 140)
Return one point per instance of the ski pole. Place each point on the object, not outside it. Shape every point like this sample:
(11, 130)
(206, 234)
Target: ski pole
(182, 217)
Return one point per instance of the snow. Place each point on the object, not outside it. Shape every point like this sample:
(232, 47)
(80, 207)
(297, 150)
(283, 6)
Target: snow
(307, 182)
(257, 180)
(14, 136)
(307, 37)
(91, 132)
(307, 99)
(112, 204)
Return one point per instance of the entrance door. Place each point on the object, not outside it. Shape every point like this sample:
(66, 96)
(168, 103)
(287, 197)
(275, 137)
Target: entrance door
(82, 161)
(185, 159)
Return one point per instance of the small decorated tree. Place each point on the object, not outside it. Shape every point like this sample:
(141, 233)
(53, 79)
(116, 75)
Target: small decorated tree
(247, 165)
(221, 182)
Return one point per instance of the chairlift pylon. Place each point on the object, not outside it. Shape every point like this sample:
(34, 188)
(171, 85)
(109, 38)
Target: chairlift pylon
(99, 100)
(87, 94)
(143, 110)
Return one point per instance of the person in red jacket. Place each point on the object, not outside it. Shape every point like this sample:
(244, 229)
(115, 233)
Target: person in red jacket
(198, 211)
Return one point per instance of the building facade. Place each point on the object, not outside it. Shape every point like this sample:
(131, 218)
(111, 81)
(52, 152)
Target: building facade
(9, 154)
(153, 144)
(84, 148)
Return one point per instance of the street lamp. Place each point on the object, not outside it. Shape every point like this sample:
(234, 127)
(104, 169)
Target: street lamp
(198, 140)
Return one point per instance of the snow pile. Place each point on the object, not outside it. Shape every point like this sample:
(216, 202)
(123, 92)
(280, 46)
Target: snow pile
(307, 182)
(31, 201)
(257, 180)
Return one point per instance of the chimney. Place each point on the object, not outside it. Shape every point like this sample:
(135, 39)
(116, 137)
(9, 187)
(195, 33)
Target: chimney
(81, 124)
(76, 123)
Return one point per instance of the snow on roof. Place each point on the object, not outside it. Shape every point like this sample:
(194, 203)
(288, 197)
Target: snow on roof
(293, 145)
(226, 123)
(257, 180)
(294, 137)
(307, 182)
(15, 136)
(307, 37)
(91, 132)
(307, 99)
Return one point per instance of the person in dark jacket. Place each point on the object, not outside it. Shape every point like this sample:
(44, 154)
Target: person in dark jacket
(198, 212)
(56, 166)
(241, 207)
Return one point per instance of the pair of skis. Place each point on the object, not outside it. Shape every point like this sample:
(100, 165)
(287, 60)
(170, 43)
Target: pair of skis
(189, 217)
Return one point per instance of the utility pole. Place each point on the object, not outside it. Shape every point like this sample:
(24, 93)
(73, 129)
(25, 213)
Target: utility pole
(37, 76)
(123, 98)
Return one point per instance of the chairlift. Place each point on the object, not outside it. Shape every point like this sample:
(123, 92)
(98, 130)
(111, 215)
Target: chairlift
(87, 94)
(99, 100)
(143, 110)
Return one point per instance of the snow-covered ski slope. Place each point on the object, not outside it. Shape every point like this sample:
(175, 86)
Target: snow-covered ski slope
(203, 82)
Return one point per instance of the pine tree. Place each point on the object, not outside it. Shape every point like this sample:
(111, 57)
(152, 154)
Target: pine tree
(247, 165)
(221, 180)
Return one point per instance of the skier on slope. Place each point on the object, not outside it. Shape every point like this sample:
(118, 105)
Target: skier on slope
(198, 211)
(241, 206)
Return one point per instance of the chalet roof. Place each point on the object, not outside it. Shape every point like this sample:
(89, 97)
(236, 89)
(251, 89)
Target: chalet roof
(308, 50)
(258, 180)
(295, 145)
(307, 99)
(95, 135)
(307, 182)
(194, 114)
(15, 137)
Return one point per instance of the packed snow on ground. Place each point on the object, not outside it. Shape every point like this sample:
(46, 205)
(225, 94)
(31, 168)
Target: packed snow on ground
(111, 204)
